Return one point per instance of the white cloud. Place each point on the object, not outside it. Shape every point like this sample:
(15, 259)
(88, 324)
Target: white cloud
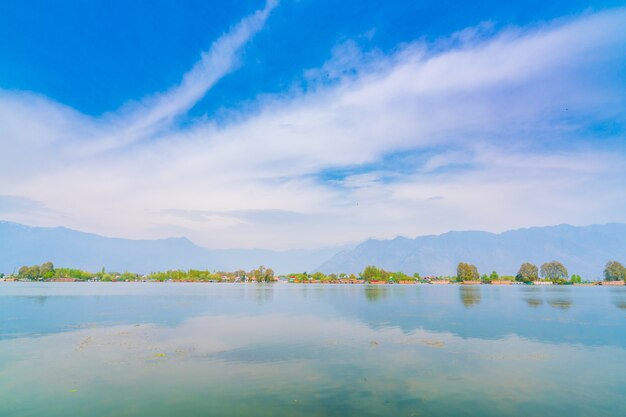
(500, 119)
(144, 119)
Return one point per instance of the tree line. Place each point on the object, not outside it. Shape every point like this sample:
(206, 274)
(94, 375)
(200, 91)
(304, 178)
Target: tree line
(47, 272)
(553, 271)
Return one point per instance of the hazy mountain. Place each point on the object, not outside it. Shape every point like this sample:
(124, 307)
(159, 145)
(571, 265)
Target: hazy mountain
(283, 262)
(24, 245)
(583, 250)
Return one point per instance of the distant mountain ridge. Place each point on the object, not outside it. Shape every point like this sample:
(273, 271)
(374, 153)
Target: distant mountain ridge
(583, 250)
(25, 245)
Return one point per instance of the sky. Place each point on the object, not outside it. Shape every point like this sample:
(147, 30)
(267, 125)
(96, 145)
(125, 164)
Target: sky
(308, 123)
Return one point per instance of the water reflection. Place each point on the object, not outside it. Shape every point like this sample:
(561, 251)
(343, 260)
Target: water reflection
(375, 293)
(620, 304)
(38, 299)
(560, 303)
(560, 297)
(470, 295)
(597, 319)
(534, 302)
(532, 296)
(261, 292)
(301, 365)
(618, 297)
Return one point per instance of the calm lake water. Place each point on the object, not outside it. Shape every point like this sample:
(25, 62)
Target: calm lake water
(108, 349)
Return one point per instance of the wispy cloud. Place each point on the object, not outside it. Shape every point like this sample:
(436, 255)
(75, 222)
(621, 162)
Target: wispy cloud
(502, 120)
(144, 119)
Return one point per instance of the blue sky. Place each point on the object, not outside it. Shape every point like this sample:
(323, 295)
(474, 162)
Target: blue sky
(95, 56)
(308, 123)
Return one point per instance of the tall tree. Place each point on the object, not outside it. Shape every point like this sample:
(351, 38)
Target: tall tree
(262, 274)
(527, 272)
(29, 272)
(467, 272)
(614, 271)
(46, 270)
(372, 273)
(46, 267)
(554, 271)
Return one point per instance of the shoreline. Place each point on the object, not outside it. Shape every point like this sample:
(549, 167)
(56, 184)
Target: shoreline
(463, 284)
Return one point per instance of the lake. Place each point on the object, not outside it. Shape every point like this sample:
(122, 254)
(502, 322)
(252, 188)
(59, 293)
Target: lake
(140, 349)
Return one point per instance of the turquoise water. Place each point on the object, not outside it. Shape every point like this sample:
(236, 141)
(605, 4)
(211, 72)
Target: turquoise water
(125, 349)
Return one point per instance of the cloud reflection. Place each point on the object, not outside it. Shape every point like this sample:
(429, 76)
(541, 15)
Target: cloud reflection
(295, 365)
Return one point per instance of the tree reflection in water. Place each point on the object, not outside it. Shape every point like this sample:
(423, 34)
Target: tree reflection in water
(561, 303)
(618, 296)
(533, 296)
(375, 293)
(534, 302)
(560, 297)
(263, 293)
(470, 295)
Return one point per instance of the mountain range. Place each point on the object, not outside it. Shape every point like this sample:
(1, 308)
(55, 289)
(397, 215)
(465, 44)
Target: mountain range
(25, 245)
(583, 249)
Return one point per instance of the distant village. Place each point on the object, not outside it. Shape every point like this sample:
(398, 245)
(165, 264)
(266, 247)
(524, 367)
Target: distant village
(549, 273)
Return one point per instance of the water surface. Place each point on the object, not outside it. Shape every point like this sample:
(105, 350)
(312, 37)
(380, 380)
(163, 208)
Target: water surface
(126, 349)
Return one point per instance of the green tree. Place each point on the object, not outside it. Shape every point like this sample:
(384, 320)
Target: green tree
(417, 276)
(494, 276)
(467, 272)
(398, 276)
(318, 276)
(126, 276)
(527, 273)
(29, 272)
(576, 279)
(262, 274)
(22, 272)
(46, 268)
(614, 271)
(372, 273)
(554, 271)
